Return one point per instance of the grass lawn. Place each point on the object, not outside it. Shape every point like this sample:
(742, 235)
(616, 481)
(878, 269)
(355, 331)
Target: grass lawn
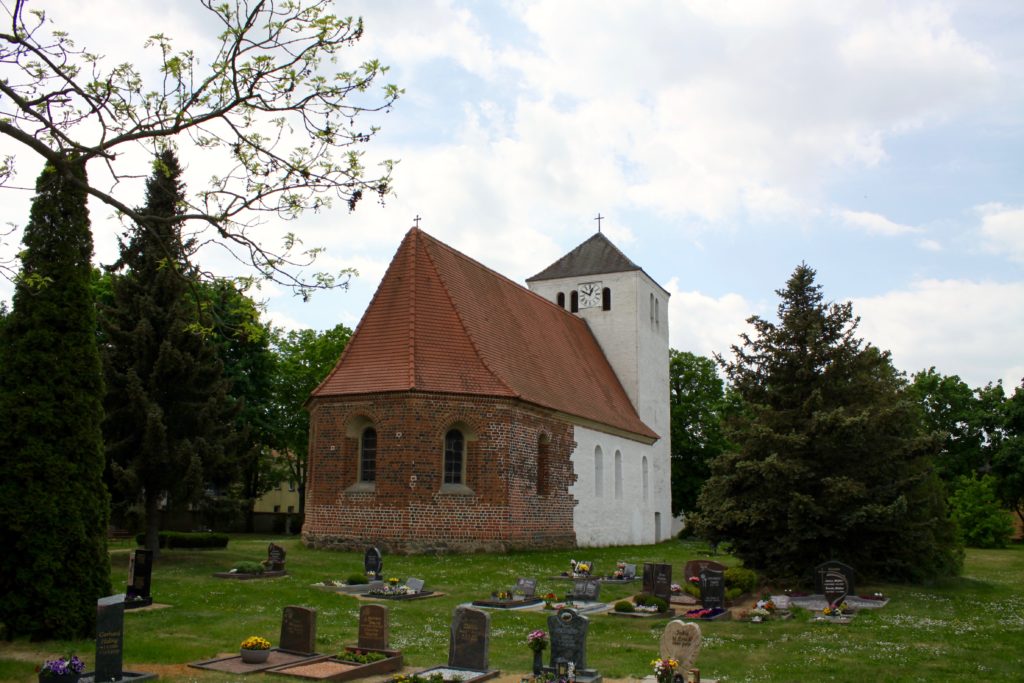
(969, 628)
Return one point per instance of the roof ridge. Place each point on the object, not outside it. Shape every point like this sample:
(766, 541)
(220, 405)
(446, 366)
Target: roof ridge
(458, 313)
(411, 235)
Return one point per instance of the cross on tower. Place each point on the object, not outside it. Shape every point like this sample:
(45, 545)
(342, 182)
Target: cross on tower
(417, 220)
(599, 219)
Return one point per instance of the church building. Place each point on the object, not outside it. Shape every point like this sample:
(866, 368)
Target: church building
(469, 413)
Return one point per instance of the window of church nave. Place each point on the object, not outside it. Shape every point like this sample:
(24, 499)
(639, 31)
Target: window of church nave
(598, 472)
(454, 457)
(618, 475)
(643, 470)
(368, 455)
(561, 299)
(606, 299)
(657, 316)
(652, 311)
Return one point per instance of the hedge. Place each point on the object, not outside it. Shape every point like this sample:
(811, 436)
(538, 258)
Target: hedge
(187, 539)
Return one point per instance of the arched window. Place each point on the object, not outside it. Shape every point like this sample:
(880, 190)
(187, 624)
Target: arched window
(618, 475)
(652, 311)
(643, 476)
(606, 299)
(598, 472)
(454, 456)
(657, 315)
(368, 455)
(543, 465)
(561, 299)
(574, 302)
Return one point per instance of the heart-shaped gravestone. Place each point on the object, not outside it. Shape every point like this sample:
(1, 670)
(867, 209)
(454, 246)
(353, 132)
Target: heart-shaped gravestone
(681, 641)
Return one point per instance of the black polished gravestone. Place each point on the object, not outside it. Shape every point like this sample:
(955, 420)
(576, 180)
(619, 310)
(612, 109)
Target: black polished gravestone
(527, 587)
(568, 631)
(469, 645)
(585, 590)
(658, 580)
(110, 644)
(712, 588)
(373, 561)
(834, 580)
(275, 558)
(140, 577)
(298, 630)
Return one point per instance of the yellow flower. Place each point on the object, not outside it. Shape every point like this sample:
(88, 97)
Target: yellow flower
(255, 643)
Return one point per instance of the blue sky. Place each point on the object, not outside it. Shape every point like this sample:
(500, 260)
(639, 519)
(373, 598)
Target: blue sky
(725, 142)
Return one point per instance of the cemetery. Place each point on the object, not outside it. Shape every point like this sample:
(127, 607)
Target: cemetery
(312, 633)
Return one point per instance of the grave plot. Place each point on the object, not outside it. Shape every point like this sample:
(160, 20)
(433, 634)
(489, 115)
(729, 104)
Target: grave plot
(835, 599)
(394, 589)
(578, 569)
(270, 568)
(654, 602)
(520, 596)
(370, 656)
(568, 660)
(624, 573)
(296, 644)
(140, 579)
(468, 649)
(359, 584)
(110, 645)
(681, 642)
(712, 597)
(584, 597)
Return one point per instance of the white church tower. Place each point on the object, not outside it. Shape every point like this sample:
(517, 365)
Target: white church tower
(623, 486)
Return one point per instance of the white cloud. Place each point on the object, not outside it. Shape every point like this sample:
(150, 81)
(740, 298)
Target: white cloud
(1002, 229)
(875, 224)
(703, 324)
(962, 327)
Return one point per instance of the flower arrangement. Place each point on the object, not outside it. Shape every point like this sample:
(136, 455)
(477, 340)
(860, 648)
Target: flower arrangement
(620, 570)
(580, 568)
(759, 614)
(836, 610)
(695, 580)
(393, 581)
(537, 640)
(664, 669)
(705, 613)
(501, 595)
(62, 666)
(255, 643)
(391, 589)
(676, 589)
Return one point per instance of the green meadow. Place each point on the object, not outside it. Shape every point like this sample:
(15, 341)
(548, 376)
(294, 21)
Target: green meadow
(969, 628)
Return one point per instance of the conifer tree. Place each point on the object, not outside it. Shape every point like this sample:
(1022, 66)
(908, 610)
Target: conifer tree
(53, 502)
(831, 459)
(169, 428)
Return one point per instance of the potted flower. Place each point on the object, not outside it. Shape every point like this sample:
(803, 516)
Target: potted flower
(665, 669)
(62, 670)
(538, 642)
(255, 650)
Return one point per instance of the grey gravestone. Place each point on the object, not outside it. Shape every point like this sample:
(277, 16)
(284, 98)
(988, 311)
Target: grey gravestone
(834, 580)
(373, 627)
(527, 587)
(681, 641)
(275, 558)
(469, 646)
(373, 562)
(140, 576)
(588, 590)
(109, 638)
(298, 630)
(695, 567)
(568, 638)
(712, 588)
(658, 580)
(629, 571)
(415, 585)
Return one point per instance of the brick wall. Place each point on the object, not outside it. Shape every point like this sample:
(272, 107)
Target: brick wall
(408, 510)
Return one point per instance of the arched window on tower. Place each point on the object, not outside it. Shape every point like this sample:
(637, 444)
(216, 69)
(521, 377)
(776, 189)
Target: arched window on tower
(368, 455)
(657, 313)
(561, 299)
(574, 302)
(652, 311)
(454, 457)
(606, 299)
(598, 472)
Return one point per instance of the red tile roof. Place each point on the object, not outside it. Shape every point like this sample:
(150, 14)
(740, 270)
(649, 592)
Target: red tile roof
(442, 322)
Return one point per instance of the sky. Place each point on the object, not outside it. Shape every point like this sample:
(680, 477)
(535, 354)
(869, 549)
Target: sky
(724, 143)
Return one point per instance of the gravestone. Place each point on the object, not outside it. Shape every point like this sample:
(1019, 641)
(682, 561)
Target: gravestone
(681, 641)
(109, 638)
(373, 562)
(415, 585)
(629, 571)
(373, 627)
(527, 587)
(695, 567)
(834, 580)
(275, 558)
(140, 576)
(586, 590)
(298, 630)
(568, 631)
(712, 588)
(658, 580)
(469, 646)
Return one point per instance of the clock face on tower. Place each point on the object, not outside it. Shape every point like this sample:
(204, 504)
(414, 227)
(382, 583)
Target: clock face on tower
(590, 294)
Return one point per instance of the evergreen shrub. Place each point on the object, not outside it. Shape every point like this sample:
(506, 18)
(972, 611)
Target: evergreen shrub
(624, 606)
(742, 578)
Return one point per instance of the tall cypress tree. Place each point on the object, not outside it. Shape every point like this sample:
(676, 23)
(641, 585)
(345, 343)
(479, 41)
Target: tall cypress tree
(832, 460)
(54, 506)
(169, 427)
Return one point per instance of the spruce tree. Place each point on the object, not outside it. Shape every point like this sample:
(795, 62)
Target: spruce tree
(53, 502)
(169, 428)
(832, 460)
